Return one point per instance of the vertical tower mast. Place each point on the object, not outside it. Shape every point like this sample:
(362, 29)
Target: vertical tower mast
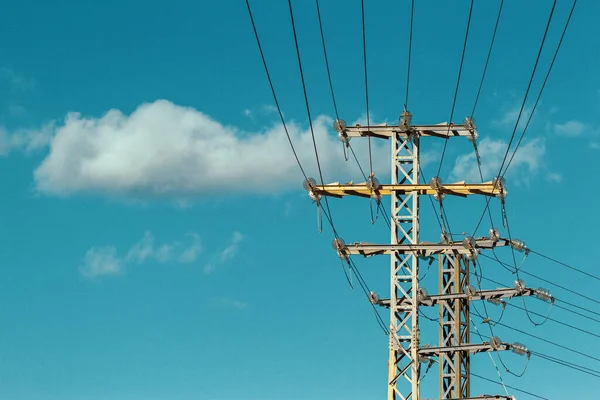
(403, 367)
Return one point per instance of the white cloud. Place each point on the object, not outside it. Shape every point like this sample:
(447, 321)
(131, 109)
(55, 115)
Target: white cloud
(528, 156)
(570, 128)
(190, 254)
(145, 249)
(509, 118)
(595, 145)
(16, 80)
(16, 110)
(554, 177)
(100, 261)
(225, 254)
(162, 149)
(25, 140)
(230, 303)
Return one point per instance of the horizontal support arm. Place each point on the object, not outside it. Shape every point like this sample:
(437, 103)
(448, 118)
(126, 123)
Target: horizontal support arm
(420, 249)
(385, 131)
(472, 348)
(432, 300)
(364, 190)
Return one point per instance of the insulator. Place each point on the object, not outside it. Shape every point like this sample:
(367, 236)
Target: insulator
(519, 349)
(471, 290)
(422, 295)
(520, 285)
(445, 238)
(470, 123)
(436, 183)
(500, 190)
(543, 294)
(343, 137)
(469, 243)
(518, 245)
(373, 298)
(495, 301)
(405, 121)
(494, 235)
(314, 197)
(439, 196)
(495, 342)
(373, 183)
(309, 184)
(339, 125)
(338, 244)
(472, 255)
(425, 359)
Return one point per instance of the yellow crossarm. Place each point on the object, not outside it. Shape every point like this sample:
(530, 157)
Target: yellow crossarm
(455, 189)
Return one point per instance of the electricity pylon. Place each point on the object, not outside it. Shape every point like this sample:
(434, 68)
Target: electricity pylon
(455, 349)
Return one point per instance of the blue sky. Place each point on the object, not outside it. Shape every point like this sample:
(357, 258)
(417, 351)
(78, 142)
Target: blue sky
(156, 242)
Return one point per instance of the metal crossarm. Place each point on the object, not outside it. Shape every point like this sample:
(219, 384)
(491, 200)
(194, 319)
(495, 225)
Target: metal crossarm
(364, 190)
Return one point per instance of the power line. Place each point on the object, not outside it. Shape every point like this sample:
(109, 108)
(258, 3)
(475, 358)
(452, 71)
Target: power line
(557, 321)
(412, 12)
(522, 105)
(312, 132)
(543, 86)
(367, 291)
(579, 307)
(568, 364)
(528, 86)
(551, 283)
(462, 59)
(565, 265)
(561, 301)
(577, 313)
(510, 387)
(572, 365)
(364, 38)
(262, 55)
(548, 341)
(326, 60)
(487, 60)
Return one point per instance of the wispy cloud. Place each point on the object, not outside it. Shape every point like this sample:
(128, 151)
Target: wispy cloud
(529, 157)
(570, 128)
(25, 140)
(509, 117)
(145, 249)
(190, 254)
(17, 81)
(232, 303)
(227, 253)
(100, 261)
(554, 177)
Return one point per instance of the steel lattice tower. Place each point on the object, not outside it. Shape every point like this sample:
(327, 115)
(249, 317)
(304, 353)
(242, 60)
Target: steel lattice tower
(455, 349)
